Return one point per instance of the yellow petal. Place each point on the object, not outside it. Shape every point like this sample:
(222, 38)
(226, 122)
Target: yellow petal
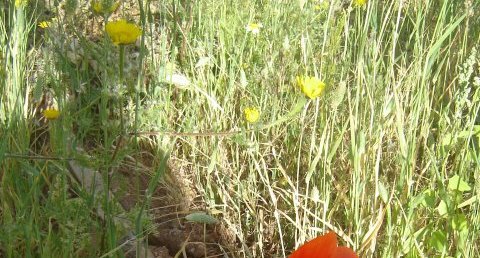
(44, 24)
(251, 114)
(51, 114)
(122, 32)
(312, 87)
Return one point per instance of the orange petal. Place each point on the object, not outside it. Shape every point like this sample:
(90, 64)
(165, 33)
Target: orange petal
(344, 252)
(320, 247)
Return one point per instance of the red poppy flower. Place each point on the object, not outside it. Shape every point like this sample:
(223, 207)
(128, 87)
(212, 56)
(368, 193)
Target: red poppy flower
(323, 247)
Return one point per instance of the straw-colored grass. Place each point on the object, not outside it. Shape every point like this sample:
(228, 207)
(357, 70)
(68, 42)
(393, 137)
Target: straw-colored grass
(387, 157)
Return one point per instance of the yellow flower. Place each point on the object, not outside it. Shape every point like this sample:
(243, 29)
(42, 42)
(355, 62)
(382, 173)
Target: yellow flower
(98, 8)
(311, 86)
(44, 24)
(20, 3)
(254, 28)
(359, 2)
(51, 113)
(122, 32)
(251, 114)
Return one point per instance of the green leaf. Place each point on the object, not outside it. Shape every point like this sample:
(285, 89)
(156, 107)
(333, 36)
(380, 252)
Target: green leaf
(456, 183)
(240, 139)
(442, 208)
(428, 198)
(467, 133)
(434, 50)
(452, 139)
(201, 217)
(438, 240)
(460, 223)
(383, 192)
(336, 144)
(448, 139)
(361, 144)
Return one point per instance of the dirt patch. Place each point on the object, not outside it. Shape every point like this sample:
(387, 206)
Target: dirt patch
(174, 198)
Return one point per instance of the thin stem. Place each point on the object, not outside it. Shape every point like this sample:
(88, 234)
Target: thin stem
(122, 58)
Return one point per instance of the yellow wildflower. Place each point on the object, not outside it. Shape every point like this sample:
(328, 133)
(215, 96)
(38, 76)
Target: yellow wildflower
(251, 114)
(359, 2)
(98, 8)
(254, 28)
(44, 24)
(51, 113)
(311, 86)
(20, 3)
(122, 32)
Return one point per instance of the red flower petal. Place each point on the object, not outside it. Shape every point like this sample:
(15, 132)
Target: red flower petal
(344, 252)
(320, 247)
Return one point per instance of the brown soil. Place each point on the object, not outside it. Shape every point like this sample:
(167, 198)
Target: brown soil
(174, 198)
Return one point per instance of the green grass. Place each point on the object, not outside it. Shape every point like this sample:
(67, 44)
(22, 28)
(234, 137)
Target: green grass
(387, 157)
